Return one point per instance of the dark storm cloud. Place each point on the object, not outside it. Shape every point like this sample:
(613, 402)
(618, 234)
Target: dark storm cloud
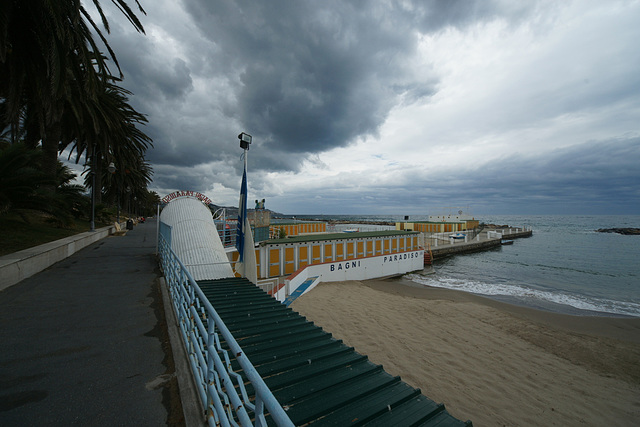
(595, 177)
(151, 75)
(175, 177)
(601, 170)
(598, 176)
(434, 15)
(306, 77)
(303, 77)
(312, 75)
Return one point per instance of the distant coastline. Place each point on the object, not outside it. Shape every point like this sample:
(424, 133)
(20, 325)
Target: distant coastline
(625, 231)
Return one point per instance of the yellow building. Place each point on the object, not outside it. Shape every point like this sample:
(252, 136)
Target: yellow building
(438, 226)
(297, 228)
(282, 257)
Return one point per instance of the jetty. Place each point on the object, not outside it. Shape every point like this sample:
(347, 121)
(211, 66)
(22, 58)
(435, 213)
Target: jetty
(441, 245)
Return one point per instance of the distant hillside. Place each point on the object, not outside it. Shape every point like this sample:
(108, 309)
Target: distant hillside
(232, 211)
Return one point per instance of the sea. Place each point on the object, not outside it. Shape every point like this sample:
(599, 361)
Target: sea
(565, 267)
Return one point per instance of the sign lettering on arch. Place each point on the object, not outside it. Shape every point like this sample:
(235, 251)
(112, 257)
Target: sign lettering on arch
(169, 197)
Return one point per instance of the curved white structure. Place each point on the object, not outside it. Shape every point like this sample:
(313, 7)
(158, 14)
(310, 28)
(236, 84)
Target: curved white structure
(195, 240)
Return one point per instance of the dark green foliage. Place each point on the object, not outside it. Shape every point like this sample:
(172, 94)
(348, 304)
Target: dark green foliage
(56, 90)
(55, 84)
(24, 187)
(20, 178)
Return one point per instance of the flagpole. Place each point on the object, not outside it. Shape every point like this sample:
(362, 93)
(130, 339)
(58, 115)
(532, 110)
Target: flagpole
(246, 153)
(244, 239)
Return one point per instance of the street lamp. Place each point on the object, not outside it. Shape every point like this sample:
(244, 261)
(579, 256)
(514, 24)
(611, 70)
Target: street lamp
(112, 170)
(245, 140)
(92, 224)
(128, 190)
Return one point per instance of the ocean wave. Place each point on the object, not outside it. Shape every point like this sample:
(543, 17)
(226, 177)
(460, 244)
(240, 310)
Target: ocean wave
(521, 292)
(565, 268)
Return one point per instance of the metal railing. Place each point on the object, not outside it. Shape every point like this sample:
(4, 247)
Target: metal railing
(270, 285)
(476, 231)
(201, 328)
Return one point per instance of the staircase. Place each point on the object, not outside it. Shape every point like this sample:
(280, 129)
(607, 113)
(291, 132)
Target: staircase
(300, 290)
(477, 231)
(428, 255)
(428, 260)
(316, 378)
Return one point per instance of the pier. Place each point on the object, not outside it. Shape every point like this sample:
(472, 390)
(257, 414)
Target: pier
(441, 245)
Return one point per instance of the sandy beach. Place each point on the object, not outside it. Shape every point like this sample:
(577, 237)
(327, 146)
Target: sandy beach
(492, 363)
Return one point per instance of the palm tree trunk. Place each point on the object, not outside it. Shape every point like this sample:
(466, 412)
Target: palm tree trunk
(32, 128)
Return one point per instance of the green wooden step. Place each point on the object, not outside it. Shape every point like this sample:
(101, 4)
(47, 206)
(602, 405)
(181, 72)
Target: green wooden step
(319, 380)
(310, 386)
(369, 406)
(340, 396)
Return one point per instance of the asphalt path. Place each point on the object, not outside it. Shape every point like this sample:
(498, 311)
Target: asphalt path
(84, 341)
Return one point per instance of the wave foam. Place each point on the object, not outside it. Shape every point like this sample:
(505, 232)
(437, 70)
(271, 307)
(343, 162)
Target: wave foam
(521, 292)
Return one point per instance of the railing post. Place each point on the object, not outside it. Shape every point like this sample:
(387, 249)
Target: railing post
(210, 367)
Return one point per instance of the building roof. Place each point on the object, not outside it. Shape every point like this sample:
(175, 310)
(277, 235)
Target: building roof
(338, 236)
(195, 239)
(292, 222)
(436, 222)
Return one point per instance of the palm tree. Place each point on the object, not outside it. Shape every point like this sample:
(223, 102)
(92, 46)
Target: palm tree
(47, 57)
(111, 135)
(128, 185)
(70, 198)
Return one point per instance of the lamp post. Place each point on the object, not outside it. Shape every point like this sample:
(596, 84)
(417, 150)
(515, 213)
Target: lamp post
(92, 224)
(246, 264)
(245, 141)
(112, 170)
(128, 190)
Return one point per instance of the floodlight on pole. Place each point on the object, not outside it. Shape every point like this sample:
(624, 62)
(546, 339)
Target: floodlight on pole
(245, 140)
(112, 170)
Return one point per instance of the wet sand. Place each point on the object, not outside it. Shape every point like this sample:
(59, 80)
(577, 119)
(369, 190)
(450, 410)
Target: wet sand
(493, 363)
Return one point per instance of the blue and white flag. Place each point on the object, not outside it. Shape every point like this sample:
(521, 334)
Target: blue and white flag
(246, 265)
(242, 215)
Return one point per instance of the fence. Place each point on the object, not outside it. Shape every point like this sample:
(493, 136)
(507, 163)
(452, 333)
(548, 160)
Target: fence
(435, 239)
(227, 231)
(221, 389)
(270, 286)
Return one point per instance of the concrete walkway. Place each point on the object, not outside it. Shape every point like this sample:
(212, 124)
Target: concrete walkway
(84, 342)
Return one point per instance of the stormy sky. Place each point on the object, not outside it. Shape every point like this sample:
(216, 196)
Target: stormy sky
(392, 107)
